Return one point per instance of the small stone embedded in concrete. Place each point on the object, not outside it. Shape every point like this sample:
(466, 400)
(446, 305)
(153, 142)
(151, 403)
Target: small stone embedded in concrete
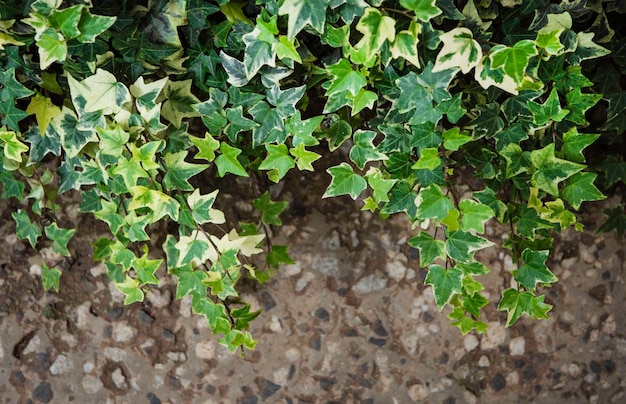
(484, 361)
(62, 364)
(275, 325)
(123, 332)
(370, 283)
(43, 392)
(598, 292)
(114, 354)
(304, 281)
(153, 398)
(32, 346)
(267, 387)
(470, 342)
(205, 349)
(322, 314)
(495, 337)
(177, 356)
(517, 346)
(119, 379)
(418, 392)
(498, 382)
(328, 264)
(397, 267)
(512, 379)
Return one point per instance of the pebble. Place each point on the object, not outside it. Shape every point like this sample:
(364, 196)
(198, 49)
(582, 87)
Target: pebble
(281, 376)
(609, 325)
(327, 264)
(573, 370)
(35, 270)
(205, 349)
(185, 306)
(332, 242)
(292, 269)
(160, 298)
(304, 281)
(512, 379)
(88, 367)
(177, 356)
(470, 342)
(119, 379)
(43, 392)
(33, 345)
(292, 355)
(396, 268)
(275, 325)
(370, 283)
(484, 361)
(495, 337)
(83, 317)
(62, 364)
(517, 346)
(114, 354)
(418, 392)
(122, 332)
(92, 384)
(98, 270)
(1, 349)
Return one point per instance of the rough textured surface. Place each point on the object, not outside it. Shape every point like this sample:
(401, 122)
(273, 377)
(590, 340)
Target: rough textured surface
(351, 321)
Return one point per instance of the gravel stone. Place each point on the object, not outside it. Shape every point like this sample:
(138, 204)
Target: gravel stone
(498, 382)
(114, 354)
(370, 283)
(598, 292)
(160, 298)
(267, 387)
(484, 361)
(153, 399)
(396, 268)
(119, 379)
(43, 392)
(327, 264)
(495, 337)
(33, 345)
(304, 281)
(470, 342)
(122, 332)
(62, 364)
(517, 346)
(205, 349)
(418, 392)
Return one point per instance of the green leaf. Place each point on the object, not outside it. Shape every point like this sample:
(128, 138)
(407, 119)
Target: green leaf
(304, 158)
(67, 20)
(344, 182)
(130, 171)
(425, 10)
(466, 324)
(258, 53)
(286, 49)
(104, 93)
(130, 289)
(44, 110)
(278, 161)
(432, 203)
(534, 270)
(13, 147)
(178, 171)
(380, 185)
(429, 248)
(453, 139)
(474, 215)
(237, 123)
(616, 220)
(401, 199)
(445, 283)
(344, 79)
(269, 210)
(459, 51)
(363, 149)
(60, 238)
(461, 245)
(548, 111)
(11, 116)
(513, 60)
(159, 203)
(90, 26)
(179, 101)
(580, 188)
(517, 160)
(146, 94)
(551, 170)
(279, 255)
(52, 48)
(405, 44)
(202, 208)
(302, 130)
(227, 161)
(301, 13)
(25, 229)
(12, 89)
(136, 227)
(578, 103)
(11, 187)
(376, 29)
(574, 143)
(145, 269)
(50, 277)
(206, 147)
(429, 159)
(518, 303)
(113, 140)
(109, 214)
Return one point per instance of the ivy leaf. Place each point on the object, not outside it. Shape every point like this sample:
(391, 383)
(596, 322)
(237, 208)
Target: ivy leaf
(429, 159)
(586, 49)
(304, 158)
(11, 116)
(548, 111)
(258, 53)
(215, 313)
(206, 146)
(574, 143)
(237, 123)
(459, 50)
(405, 44)
(130, 289)
(344, 79)
(518, 303)
(513, 60)
(453, 139)
(145, 269)
(113, 140)
(25, 229)
(578, 103)
(178, 171)
(616, 220)
(12, 89)
(461, 245)
(202, 208)
(489, 122)
(52, 48)
(44, 110)
(429, 248)
(517, 160)
(344, 182)
(445, 283)
(401, 199)
(269, 210)
(90, 26)
(425, 10)
(50, 277)
(380, 185)
(136, 227)
(146, 94)
(474, 215)
(376, 29)
(286, 49)
(11, 187)
(534, 270)
(60, 238)
(227, 161)
(302, 131)
(104, 93)
(466, 324)
(551, 170)
(364, 150)
(13, 147)
(301, 13)
(67, 20)
(529, 222)
(108, 213)
(580, 188)
(159, 203)
(179, 101)
(285, 100)
(432, 203)
(278, 161)
(194, 249)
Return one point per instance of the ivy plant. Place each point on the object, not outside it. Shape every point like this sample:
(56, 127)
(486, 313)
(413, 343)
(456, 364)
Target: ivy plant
(126, 102)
